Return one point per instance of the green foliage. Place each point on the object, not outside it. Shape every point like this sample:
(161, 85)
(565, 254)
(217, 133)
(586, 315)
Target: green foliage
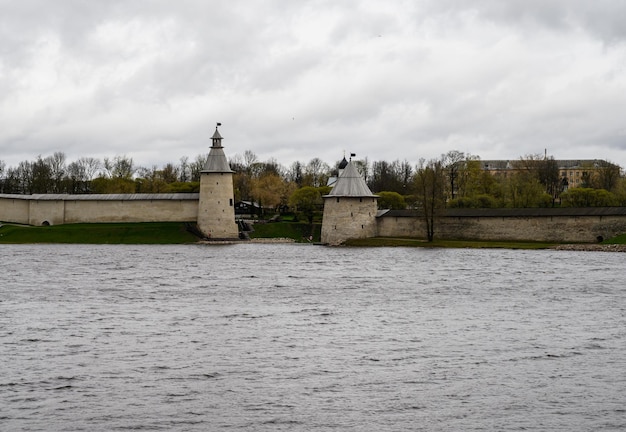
(112, 233)
(620, 239)
(391, 200)
(306, 200)
(477, 201)
(184, 187)
(588, 197)
(103, 185)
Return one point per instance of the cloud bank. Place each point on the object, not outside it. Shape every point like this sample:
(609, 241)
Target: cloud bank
(298, 80)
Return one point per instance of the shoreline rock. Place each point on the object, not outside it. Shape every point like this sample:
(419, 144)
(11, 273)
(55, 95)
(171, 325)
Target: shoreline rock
(592, 247)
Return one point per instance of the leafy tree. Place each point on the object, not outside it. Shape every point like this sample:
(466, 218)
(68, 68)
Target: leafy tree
(391, 200)
(523, 190)
(588, 197)
(306, 200)
(104, 185)
(475, 201)
(269, 189)
(544, 170)
(184, 187)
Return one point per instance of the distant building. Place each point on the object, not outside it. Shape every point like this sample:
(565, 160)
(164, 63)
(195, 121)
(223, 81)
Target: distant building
(247, 209)
(573, 172)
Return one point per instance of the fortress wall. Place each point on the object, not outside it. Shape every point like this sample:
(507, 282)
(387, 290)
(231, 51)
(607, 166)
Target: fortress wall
(348, 217)
(570, 228)
(14, 210)
(37, 212)
(46, 212)
(585, 229)
(170, 210)
(400, 226)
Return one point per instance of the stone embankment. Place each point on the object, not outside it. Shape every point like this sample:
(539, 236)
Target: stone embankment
(592, 247)
(272, 240)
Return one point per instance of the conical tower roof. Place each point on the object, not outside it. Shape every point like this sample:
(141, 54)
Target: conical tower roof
(350, 184)
(217, 162)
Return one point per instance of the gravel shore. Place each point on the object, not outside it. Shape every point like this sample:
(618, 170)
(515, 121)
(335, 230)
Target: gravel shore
(592, 247)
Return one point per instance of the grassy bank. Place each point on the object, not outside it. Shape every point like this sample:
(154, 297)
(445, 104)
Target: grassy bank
(298, 231)
(176, 233)
(110, 233)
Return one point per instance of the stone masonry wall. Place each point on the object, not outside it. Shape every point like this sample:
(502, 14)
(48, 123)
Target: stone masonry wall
(14, 210)
(131, 211)
(216, 211)
(559, 229)
(55, 212)
(348, 217)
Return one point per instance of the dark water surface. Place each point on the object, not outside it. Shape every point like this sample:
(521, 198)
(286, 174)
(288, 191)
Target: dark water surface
(299, 337)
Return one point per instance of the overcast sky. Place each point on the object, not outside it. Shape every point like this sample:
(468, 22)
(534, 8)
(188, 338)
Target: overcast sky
(295, 80)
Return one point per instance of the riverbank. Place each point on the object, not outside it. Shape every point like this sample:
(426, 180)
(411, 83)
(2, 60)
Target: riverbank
(110, 233)
(592, 247)
(286, 232)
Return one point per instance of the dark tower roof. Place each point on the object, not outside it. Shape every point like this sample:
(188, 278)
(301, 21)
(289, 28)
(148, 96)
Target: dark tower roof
(217, 161)
(343, 163)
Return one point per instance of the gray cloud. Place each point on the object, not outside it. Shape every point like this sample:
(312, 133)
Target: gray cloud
(298, 80)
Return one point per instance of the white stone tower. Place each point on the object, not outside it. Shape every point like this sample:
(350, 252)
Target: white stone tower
(349, 209)
(216, 209)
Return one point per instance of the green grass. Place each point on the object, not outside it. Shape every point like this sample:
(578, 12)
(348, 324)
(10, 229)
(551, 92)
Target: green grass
(298, 231)
(113, 233)
(176, 233)
(620, 239)
(413, 242)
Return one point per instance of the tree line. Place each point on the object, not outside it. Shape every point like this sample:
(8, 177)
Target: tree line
(455, 179)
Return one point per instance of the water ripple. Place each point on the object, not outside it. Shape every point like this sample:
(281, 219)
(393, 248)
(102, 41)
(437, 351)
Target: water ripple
(296, 337)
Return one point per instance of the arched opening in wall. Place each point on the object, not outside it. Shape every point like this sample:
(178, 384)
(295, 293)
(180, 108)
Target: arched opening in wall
(600, 239)
(45, 223)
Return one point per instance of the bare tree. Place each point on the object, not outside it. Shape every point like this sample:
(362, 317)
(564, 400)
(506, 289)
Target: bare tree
(429, 179)
(317, 171)
(120, 167)
(56, 164)
(608, 175)
(184, 172)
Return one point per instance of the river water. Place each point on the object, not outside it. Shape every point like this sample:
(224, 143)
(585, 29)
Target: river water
(307, 338)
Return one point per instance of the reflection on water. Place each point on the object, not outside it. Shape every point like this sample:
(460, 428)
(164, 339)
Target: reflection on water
(299, 337)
